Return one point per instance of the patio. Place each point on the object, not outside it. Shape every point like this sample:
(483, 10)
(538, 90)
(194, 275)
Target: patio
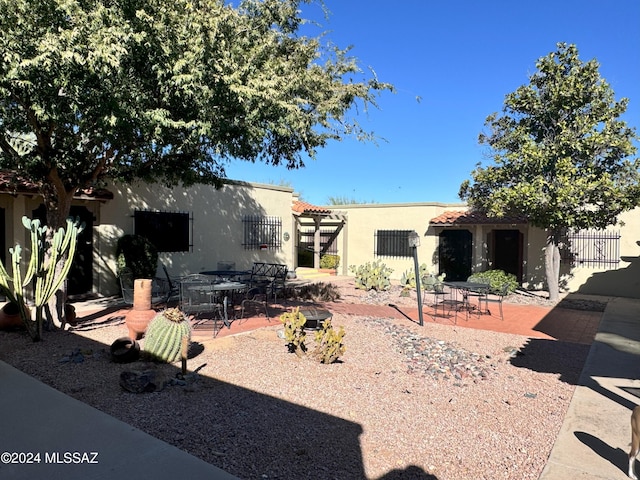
(546, 322)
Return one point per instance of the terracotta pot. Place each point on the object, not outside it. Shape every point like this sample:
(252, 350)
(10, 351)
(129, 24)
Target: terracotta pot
(142, 294)
(137, 322)
(10, 317)
(139, 317)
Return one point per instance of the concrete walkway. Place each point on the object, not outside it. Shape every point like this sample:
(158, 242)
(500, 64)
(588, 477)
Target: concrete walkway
(595, 436)
(47, 435)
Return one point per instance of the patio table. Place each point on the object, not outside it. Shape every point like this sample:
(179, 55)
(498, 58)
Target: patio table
(466, 289)
(226, 275)
(227, 289)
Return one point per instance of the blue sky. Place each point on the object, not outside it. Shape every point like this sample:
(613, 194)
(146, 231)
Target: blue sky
(461, 57)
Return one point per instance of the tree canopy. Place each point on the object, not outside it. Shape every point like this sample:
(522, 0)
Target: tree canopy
(166, 91)
(561, 153)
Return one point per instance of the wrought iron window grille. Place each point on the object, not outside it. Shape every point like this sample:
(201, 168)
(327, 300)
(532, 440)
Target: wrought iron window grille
(392, 243)
(262, 232)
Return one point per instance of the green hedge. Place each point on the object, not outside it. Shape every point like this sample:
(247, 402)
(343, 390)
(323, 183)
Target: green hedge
(496, 280)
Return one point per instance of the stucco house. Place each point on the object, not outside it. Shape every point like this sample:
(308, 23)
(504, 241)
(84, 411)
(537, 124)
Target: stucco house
(199, 227)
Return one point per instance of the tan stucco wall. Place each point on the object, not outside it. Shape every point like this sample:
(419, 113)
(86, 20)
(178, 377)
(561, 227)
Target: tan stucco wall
(217, 226)
(622, 280)
(363, 220)
(218, 234)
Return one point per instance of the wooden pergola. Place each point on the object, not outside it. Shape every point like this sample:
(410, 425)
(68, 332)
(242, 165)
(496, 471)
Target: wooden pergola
(310, 215)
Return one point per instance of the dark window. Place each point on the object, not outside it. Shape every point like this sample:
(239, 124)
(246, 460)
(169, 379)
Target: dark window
(392, 243)
(592, 248)
(262, 232)
(168, 231)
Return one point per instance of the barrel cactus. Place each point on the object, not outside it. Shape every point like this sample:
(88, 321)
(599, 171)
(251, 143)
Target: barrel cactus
(163, 340)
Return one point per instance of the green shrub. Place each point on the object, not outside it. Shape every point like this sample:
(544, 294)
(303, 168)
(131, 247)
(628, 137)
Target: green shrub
(496, 280)
(137, 254)
(372, 276)
(330, 261)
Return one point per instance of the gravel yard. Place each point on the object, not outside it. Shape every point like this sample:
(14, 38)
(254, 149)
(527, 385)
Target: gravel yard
(435, 402)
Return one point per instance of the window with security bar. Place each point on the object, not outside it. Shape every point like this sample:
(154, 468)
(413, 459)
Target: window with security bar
(592, 248)
(262, 232)
(392, 243)
(168, 231)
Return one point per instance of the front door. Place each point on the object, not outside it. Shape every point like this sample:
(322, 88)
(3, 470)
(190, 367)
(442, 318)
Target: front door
(507, 252)
(455, 254)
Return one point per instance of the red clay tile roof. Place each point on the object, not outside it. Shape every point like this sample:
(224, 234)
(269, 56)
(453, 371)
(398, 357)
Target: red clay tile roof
(11, 184)
(304, 207)
(473, 218)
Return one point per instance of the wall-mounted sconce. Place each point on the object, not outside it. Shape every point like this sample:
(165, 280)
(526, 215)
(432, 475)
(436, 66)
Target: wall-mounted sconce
(286, 236)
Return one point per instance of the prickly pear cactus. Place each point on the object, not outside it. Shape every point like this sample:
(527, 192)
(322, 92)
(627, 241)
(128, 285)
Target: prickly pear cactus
(329, 346)
(163, 339)
(372, 276)
(294, 333)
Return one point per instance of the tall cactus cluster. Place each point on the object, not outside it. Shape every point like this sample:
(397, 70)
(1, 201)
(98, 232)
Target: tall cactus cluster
(163, 339)
(51, 258)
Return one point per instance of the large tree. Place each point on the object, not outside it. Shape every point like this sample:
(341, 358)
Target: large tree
(165, 91)
(561, 153)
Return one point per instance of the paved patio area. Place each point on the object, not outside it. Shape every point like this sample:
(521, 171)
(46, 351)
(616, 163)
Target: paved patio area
(569, 325)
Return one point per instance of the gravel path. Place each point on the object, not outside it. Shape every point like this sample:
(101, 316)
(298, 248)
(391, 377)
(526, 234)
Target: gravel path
(433, 402)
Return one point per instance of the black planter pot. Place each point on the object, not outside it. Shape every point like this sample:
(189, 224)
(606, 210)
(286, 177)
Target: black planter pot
(125, 350)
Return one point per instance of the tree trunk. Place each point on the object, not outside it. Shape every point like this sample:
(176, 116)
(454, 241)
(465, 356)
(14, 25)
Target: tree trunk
(552, 264)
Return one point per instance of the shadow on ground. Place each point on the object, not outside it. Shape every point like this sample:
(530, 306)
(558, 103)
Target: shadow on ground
(244, 432)
(616, 456)
(552, 356)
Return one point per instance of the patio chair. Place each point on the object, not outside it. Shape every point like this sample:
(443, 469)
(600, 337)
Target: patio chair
(158, 288)
(475, 293)
(438, 293)
(255, 296)
(173, 285)
(494, 297)
(198, 297)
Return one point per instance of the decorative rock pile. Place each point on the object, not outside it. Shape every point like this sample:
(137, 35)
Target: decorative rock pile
(434, 358)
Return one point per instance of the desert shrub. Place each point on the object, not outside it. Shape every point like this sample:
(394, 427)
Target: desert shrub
(318, 292)
(329, 346)
(294, 333)
(137, 254)
(372, 276)
(496, 280)
(330, 261)
(427, 278)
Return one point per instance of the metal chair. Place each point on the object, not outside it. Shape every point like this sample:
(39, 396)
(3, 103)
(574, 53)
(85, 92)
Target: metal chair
(256, 296)
(494, 297)
(438, 293)
(477, 293)
(197, 297)
(159, 293)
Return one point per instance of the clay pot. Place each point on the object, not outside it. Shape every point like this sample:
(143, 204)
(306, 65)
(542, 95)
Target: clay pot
(125, 350)
(139, 317)
(137, 322)
(10, 317)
